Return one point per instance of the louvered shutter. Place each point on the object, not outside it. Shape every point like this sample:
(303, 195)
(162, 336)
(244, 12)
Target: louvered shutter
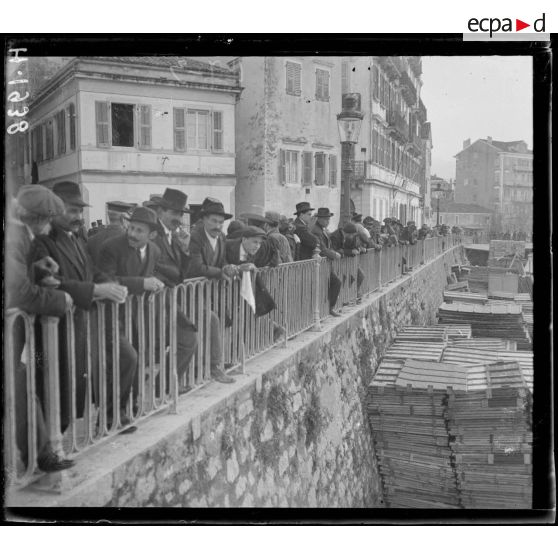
(320, 169)
(144, 126)
(306, 168)
(72, 123)
(102, 110)
(333, 170)
(217, 131)
(61, 119)
(179, 130)
(345, 77)
(293, 78)
(282, 167)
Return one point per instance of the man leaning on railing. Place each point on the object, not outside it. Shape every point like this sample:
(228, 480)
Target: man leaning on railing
(34, 208)
(79, 277)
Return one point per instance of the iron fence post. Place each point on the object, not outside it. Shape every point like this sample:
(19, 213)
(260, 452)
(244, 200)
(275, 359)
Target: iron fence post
(316, 301)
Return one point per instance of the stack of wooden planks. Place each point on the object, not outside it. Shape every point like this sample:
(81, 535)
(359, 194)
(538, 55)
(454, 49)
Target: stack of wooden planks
(488, 320)
(473, 298)
(491, 438)
(411, 441)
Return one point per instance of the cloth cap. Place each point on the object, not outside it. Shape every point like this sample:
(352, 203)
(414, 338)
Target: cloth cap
(40, 201)
(273, 217)
(349, 228)
(144, 215)
(251, 232)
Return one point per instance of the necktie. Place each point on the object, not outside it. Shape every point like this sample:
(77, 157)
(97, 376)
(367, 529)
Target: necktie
(77, 249)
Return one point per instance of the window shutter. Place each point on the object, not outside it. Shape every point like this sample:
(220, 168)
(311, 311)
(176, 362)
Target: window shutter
(282, 167)
(102, 110)
(61, 129)
(72, 122)
(191, 139)
(179, 129)
(306, 168)
(333, 171)
(320, 169)
(345, 77)
(218, 131)
(376, 78)
(293, 78)
(297, 78)
(145, 127)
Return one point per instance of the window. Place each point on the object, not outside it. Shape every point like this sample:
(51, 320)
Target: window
(179, 129)
(197, 127)
(322, 85)
(376, 79)
(217, 131)
(345, 78)
(61, 132)
(288, 166)
(72, 121)
(320, 160)
(306, 168)
(49, 152)
(122, 121)
(333, 170)
(293, 72)
(144, 127)
(374, 146)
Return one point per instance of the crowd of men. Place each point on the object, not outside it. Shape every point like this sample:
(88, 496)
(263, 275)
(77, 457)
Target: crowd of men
(53, 263)
(510, 235)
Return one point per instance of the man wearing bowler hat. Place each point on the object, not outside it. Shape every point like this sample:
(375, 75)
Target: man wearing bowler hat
(319, 230)
(308, 241)
(131, 259)
(80, 278)
(209, 259)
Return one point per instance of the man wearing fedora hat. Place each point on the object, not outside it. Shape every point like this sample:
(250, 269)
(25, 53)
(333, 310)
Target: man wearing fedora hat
(85, 283)
(209, 259)
(131, 259)
(323, 217)
(308, 241)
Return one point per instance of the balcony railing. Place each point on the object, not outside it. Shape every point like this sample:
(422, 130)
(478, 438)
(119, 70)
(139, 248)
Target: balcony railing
(398, 124)
(416, 64)
(408, 90)
(79, 401)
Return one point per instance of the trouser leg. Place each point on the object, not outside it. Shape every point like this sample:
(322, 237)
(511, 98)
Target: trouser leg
(186, 344)
(334, 288)
(216, 344)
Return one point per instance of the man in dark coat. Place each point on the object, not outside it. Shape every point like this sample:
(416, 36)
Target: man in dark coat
(35, 206)
(131, 259)
(85, 283)
(308, 241)
(209, 259)
(268, 252)
(280, 241)
(320, 231)
(117, 212)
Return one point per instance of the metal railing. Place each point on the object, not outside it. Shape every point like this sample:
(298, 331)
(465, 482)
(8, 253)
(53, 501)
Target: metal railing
(61, 371)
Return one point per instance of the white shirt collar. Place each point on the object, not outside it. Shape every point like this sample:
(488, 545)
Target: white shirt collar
(143, 251)
(168, 232)
(31, 234)
(212, 241)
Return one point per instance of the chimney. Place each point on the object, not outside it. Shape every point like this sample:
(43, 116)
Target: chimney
(489, 140)
(466, 143)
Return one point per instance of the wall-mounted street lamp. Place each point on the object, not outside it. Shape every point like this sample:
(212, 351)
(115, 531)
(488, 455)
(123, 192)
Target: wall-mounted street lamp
(438, 191)
(349, 121)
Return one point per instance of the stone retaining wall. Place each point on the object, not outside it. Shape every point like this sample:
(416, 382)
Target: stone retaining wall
(292, 432)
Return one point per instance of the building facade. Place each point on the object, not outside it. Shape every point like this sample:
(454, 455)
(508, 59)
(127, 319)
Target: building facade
(497, 175)
(467, 216)
(442, 188)
(287, 143)
(392, 176)
(127, 127)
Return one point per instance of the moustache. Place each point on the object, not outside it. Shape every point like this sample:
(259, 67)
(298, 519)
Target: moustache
(77, 223)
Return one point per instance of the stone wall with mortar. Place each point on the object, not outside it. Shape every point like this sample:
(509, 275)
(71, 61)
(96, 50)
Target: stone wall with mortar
(292, 432)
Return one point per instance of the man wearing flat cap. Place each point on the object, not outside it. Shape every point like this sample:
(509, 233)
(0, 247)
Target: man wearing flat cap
(117, 212)
(268, 254)
(34, 209)
(131, 259)
(323, 217)
(85, 283)
(308, 241)
(278, 240)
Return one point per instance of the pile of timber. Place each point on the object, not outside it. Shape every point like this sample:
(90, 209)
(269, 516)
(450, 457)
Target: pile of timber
(434, 333)
(490, 431)
(488, 320)
(411, 440)
(485, 343)
(477, 279)
(473, 298)
(419, 350)
(524, 300)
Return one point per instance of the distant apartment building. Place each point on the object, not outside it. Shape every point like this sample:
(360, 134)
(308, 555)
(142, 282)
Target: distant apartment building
(468, 216)
(287, 142)
(393, 157)
(497, 175)
(127, 127)
(440, 187)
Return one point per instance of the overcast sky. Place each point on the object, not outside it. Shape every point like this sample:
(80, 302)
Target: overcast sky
(475, 97)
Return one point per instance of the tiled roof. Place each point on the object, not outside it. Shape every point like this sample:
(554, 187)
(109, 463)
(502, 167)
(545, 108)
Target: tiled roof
(176, 62)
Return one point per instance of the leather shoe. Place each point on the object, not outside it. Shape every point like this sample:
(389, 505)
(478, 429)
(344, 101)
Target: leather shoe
(219, 376)
(334, 313)
(50, 462)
